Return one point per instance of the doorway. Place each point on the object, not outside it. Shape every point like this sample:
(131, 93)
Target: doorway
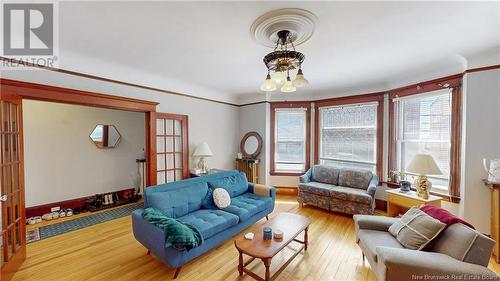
(13, 229)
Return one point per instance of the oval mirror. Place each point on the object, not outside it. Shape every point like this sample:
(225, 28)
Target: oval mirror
(105, 136)
(251, 145)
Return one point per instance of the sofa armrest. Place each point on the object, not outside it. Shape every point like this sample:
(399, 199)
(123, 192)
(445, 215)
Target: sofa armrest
(306, 177)
(370, 222)
(263, 190)
(372, 186)
(404, 264)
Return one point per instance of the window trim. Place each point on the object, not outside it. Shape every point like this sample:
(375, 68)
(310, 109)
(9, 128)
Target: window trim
(353, 100)
(301, 104)
(454, 83)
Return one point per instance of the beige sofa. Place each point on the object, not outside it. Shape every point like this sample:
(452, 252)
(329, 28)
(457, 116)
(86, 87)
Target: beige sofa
(458, 253)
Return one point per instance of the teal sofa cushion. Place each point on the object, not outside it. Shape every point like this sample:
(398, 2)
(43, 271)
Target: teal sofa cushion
(210, 222)
(248, 204)
(178, 201)
(208, 201)
(235, 185)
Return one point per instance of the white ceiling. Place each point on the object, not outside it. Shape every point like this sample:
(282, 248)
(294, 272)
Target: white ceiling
(205, 48)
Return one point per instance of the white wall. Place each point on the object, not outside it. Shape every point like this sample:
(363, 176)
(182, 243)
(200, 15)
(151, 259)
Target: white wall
(215, 123)
(481, 140)
(60, 160)
(255, 118)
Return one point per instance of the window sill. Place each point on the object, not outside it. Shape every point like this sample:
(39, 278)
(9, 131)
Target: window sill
(446, 197)
(278, 173)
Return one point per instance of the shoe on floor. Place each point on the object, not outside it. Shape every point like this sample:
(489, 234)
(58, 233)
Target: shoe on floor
(69, 212)
(55, 215)
(47, 217)
(31, 220)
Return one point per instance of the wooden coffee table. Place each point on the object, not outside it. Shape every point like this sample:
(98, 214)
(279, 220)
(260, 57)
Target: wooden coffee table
(258, 248)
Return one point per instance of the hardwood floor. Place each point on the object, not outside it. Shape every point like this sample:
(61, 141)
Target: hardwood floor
(109, 251)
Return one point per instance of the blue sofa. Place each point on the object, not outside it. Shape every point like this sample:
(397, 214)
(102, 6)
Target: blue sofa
(183, 200)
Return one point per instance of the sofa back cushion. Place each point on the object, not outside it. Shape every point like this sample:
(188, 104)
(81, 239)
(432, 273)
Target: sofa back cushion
(355, 178)
(177, 201)
(325, 174)
(235, 184)
(464, 244)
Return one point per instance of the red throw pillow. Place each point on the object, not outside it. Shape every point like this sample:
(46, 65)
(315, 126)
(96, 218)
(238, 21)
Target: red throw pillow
(443, 216)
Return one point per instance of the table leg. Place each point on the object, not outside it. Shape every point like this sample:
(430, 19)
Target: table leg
(240, 264)
(305, 238)
(267, 264)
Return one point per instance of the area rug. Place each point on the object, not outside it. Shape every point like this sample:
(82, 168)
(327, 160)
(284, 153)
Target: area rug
(86, 221)
(32, 235)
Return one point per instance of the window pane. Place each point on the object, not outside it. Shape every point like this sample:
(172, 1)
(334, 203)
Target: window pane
(349, 133)
(290, 152)
(424, 124)
(290, 139)
(349, 165)
(427, 118)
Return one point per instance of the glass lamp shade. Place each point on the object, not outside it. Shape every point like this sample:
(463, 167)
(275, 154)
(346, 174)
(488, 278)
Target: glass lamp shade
(300, 81)
(279, 77)
(268, 85)
(288, 87)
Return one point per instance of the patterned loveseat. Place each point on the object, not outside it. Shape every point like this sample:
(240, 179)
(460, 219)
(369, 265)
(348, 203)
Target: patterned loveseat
(340, 190)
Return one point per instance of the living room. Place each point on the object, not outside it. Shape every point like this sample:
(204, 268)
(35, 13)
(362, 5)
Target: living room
(250, 140)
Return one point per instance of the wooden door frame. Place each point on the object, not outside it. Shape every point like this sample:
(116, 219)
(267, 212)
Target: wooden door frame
(151, 119)
(34, 91)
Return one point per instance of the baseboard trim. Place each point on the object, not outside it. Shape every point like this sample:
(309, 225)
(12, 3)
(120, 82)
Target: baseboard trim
(71, 203)
(287, 190)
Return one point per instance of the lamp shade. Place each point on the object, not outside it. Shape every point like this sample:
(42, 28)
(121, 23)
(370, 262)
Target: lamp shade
(203, 150)
(423, 164)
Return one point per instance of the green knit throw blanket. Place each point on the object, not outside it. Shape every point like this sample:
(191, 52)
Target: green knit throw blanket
(178, 234)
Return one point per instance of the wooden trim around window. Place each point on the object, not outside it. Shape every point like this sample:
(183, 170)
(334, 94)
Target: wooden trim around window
(352, 100)
(453, 82)
(307, 106)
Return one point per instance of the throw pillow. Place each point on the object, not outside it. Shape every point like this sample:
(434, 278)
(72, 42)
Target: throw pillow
(208, 201)
(221, 198)
(416, 229)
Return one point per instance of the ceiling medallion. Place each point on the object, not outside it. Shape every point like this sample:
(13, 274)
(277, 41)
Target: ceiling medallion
(283, 29)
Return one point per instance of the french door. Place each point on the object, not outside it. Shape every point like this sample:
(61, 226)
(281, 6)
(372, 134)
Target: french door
(168, 148)
(13, 229)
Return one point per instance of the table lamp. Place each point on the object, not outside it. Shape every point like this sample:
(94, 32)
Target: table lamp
(203, 151)
(423, 165)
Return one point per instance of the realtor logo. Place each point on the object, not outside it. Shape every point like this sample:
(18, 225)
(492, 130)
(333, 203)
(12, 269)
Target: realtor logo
(28, 29)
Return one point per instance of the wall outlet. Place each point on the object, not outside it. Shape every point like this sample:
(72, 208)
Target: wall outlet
(55, 209)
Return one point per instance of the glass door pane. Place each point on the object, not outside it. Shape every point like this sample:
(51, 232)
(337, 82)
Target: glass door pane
(170, 148)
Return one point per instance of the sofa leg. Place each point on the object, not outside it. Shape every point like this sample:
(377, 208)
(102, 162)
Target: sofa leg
(149, 252)
(177, 270)
(267, 217)
(301, 204)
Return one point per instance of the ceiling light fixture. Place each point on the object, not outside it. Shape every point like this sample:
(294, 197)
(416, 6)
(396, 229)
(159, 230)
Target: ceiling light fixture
(283, 59)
